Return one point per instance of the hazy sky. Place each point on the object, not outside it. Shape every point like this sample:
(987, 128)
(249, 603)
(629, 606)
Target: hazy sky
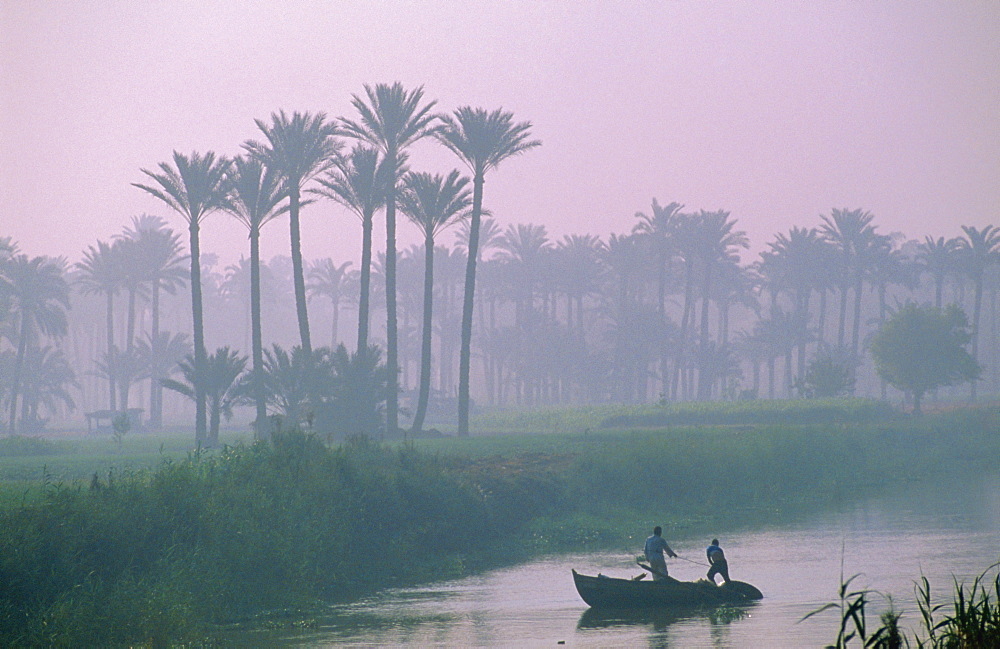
(776, 111)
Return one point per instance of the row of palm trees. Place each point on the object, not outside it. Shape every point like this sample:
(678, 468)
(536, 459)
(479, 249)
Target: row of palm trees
(270, 179)
(624, 295)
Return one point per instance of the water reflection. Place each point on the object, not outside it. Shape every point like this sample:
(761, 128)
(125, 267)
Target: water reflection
(941, 531)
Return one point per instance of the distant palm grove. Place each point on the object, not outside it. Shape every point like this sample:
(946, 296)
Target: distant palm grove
(667, 310)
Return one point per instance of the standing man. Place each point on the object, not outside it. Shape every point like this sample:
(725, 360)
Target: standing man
(717, 562)
(655, 547)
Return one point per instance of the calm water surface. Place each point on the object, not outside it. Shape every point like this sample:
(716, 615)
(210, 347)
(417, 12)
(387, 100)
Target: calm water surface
(938, 531)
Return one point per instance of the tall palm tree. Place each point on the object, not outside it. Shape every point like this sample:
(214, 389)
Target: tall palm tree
(790, 265)
(938, 257)
(482, 140)
(194, 187)
(101, 273)
(133, 277)
(432, 203)
(524, 248)
(40, 298)
(298, 149)
(358, 182)
(160, 253)
(658, 230)
(719, 244)
(688, 238)
(979, 249)
(254, 200)
(331, 281)
(850, 232)
(391, 120)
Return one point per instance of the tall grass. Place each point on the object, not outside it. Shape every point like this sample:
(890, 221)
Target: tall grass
(160, 556)
(973, 624)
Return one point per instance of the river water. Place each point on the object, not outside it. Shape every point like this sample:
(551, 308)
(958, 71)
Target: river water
(941, 531)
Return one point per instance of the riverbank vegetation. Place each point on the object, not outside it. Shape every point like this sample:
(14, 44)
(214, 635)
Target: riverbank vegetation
(973, 623)
(175, 552)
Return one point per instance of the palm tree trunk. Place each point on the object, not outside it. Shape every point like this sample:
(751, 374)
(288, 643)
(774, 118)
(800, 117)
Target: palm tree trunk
(22, 350)
(129, 335)
(297, 272)
(976, 311)
(465, 354)
(704, 372)
(856, 332)
(155, 389)
(256, 334)
(392, 351)
(679, 363)
(200, 417)
(112, 361)
(425, 349)
(842, 315)
(366, 275)
(214, 423)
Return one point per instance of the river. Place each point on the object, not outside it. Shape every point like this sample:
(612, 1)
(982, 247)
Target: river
(941, 531)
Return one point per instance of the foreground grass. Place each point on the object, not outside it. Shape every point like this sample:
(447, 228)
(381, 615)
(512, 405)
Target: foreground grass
(974, 622)
(162, 555)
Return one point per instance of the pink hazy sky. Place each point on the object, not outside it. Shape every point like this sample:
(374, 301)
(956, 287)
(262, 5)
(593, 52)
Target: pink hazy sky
(777, 111)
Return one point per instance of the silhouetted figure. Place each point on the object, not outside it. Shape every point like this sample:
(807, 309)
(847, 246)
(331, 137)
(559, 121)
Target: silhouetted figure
(655, 547)
(717, 562)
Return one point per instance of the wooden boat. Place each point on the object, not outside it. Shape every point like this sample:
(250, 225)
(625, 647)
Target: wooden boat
(614, 593)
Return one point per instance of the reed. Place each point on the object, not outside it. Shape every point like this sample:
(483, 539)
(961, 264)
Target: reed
(974, 623)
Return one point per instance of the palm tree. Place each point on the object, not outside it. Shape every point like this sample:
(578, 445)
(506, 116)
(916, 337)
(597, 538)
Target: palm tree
(432, 203)
(938, 257)
(658, 230)
(160, 254)
(482, 140)
(133, 279)
(331, 281)
(45, 381)
(298, 149)
(297, 382)
(718, 245)
(791, 264)
(159, 359)
(391, 120)
(688, 237)
(979, 249)
(850, 232)
(194, 187)
(101, 273)
(39, 298)
(255, 196)
(218, 381)
(358, 182)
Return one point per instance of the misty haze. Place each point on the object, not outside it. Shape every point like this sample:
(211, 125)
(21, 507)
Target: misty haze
(307, 341)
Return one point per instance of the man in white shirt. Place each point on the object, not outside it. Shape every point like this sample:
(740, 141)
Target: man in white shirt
(655, 547)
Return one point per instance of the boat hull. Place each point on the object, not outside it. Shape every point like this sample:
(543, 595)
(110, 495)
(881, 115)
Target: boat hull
(613, 593)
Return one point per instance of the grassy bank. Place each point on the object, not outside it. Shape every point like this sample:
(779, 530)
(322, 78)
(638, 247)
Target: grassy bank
(151, 556)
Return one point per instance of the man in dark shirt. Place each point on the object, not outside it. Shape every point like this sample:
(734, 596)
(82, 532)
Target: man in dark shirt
(717, 562)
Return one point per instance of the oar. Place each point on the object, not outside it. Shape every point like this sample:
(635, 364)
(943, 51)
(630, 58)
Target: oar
(651, 569)
(699, 563)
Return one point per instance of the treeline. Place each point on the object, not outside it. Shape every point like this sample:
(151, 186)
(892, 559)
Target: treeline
(666, 310)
